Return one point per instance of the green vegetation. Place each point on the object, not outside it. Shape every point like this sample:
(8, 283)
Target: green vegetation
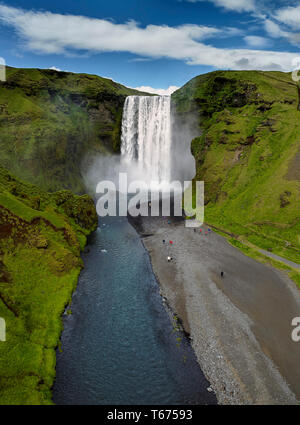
(248, 154)
(50, 121)
(41, 235)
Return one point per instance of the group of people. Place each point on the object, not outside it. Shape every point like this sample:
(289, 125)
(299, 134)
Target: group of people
(201, 231)
(169, 258)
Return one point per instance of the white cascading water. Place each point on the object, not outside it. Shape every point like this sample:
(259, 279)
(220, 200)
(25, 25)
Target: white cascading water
(146, 136)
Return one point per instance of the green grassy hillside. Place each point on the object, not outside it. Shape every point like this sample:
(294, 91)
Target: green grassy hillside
(41, 236)
(248, 154)
(50, 120)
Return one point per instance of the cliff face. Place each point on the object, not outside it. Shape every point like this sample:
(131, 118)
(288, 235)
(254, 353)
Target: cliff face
(41, 236)
(247, 153)
(50, 120)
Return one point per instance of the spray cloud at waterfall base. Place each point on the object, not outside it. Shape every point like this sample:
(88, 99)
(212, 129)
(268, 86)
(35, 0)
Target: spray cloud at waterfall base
(155, 163)
(146, 201)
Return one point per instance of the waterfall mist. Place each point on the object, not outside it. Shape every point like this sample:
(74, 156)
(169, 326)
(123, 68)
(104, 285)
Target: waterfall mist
(155, 146)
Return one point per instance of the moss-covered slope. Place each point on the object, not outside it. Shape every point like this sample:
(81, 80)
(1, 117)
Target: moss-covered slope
(248, 154)
(41, 235)
(50, 120)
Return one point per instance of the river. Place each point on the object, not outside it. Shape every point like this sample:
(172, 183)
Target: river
(119, 345)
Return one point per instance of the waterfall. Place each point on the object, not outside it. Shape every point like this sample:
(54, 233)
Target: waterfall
(146, 136)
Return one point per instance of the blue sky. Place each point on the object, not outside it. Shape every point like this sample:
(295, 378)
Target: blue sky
(153, 43)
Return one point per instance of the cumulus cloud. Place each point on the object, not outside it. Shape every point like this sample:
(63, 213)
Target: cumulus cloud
(161, 92)
(289, 16)
(233, 5)
(262, 11)
(256, 41)
(275, 31)
(54, 33)
(51, 33)
(53, 68)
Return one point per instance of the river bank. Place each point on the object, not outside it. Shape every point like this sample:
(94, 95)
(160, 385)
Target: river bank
(41, 237)
(240, 325)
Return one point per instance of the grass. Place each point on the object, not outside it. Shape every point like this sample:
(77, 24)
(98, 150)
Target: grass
(246, 153)
(41, 235)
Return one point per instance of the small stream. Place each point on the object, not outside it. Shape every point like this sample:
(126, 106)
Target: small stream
(119, 345)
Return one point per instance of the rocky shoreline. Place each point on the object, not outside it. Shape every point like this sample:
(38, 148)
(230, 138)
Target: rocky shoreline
(240, 333)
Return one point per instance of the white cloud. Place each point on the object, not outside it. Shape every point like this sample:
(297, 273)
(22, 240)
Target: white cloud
(256, 41)
(275, 31)
(289, 16)
(54, 33)
(48, 33)
(234, 5)
(53, 68)
(161, 92)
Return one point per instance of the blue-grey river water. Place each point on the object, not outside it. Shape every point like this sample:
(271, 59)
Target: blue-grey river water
(119, 345)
